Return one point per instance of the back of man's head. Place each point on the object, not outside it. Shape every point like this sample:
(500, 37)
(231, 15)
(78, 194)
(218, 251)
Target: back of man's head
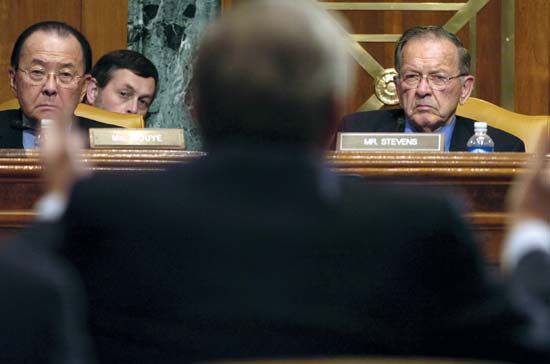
(271, 72)
(133, 61)
(60, 29)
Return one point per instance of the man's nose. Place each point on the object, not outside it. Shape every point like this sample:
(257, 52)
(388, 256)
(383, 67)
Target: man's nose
(132, 106)
(423, 87)
(50, 86)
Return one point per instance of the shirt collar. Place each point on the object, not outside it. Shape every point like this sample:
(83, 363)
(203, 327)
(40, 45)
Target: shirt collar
(27, 123)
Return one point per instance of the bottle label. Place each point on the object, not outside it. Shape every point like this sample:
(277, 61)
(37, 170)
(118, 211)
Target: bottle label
(481, 149)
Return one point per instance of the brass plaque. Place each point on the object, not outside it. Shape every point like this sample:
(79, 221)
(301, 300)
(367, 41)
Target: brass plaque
(390, 142)
(136, 138)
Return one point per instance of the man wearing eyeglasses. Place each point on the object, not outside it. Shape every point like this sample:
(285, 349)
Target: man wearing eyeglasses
(50, 65)
(433, 78)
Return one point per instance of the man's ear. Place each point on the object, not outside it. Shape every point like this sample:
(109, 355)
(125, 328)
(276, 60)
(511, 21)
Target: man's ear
(467, 88)
(11, 75)
(91, 90)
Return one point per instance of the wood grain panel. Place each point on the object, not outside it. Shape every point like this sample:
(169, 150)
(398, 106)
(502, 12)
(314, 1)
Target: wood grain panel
(532, 50)
(105, 24)
(532, 78)
(387, 22)
(479, 182)
(488, 58)
(226, 4)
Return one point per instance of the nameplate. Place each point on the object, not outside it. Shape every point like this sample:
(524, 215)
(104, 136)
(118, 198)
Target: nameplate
(391, 142)
(137, 138)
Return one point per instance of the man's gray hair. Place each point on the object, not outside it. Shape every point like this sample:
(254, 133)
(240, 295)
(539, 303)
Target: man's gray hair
(432, 31)
(271, 70)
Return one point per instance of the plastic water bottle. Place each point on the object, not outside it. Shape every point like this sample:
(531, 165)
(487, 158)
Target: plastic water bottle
(41, 136)
(480, 142)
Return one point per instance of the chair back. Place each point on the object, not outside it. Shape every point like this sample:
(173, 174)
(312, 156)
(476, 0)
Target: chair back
(526, 127)
(109, 117)
(11, 104)
(93, 113)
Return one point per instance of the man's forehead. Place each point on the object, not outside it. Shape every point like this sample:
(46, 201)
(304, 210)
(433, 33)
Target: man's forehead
(431, 47)
(431, 42)
(46, 47)
(126, 77)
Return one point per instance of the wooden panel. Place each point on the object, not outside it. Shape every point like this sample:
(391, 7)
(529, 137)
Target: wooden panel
(388, 22)
(481, 191)
(105, 24)
(532, 53)
(226, 4)
(532, 79)
(488, 57)
(397, 21)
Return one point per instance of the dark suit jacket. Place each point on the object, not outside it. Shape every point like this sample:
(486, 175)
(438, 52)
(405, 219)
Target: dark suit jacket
(253, 252)
(393, 121)
(42, 318)
(11, 132)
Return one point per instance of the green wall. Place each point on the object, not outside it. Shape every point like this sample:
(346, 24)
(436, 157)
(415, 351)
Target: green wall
(167, 32)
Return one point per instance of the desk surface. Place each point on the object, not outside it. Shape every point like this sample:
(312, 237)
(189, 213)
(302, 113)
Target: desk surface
(478, 182)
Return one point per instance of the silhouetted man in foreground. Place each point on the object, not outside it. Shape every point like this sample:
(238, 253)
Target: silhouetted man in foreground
(258, 250)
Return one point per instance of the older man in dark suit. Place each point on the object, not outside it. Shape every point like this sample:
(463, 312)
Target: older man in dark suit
(49, 73)
(433, 78)
(259, 250)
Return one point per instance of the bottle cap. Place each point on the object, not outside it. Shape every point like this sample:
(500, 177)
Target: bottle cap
(480, 125)
(46, 122)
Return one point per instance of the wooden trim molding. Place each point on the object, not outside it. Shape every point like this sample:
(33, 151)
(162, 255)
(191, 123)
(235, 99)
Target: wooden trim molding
(479, 183)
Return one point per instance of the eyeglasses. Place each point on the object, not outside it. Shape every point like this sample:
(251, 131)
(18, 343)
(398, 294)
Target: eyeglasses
(436, 82)
(38, 76)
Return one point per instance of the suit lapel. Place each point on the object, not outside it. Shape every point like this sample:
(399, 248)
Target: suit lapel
(11, 136)
(392, 122)
(463, 130)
